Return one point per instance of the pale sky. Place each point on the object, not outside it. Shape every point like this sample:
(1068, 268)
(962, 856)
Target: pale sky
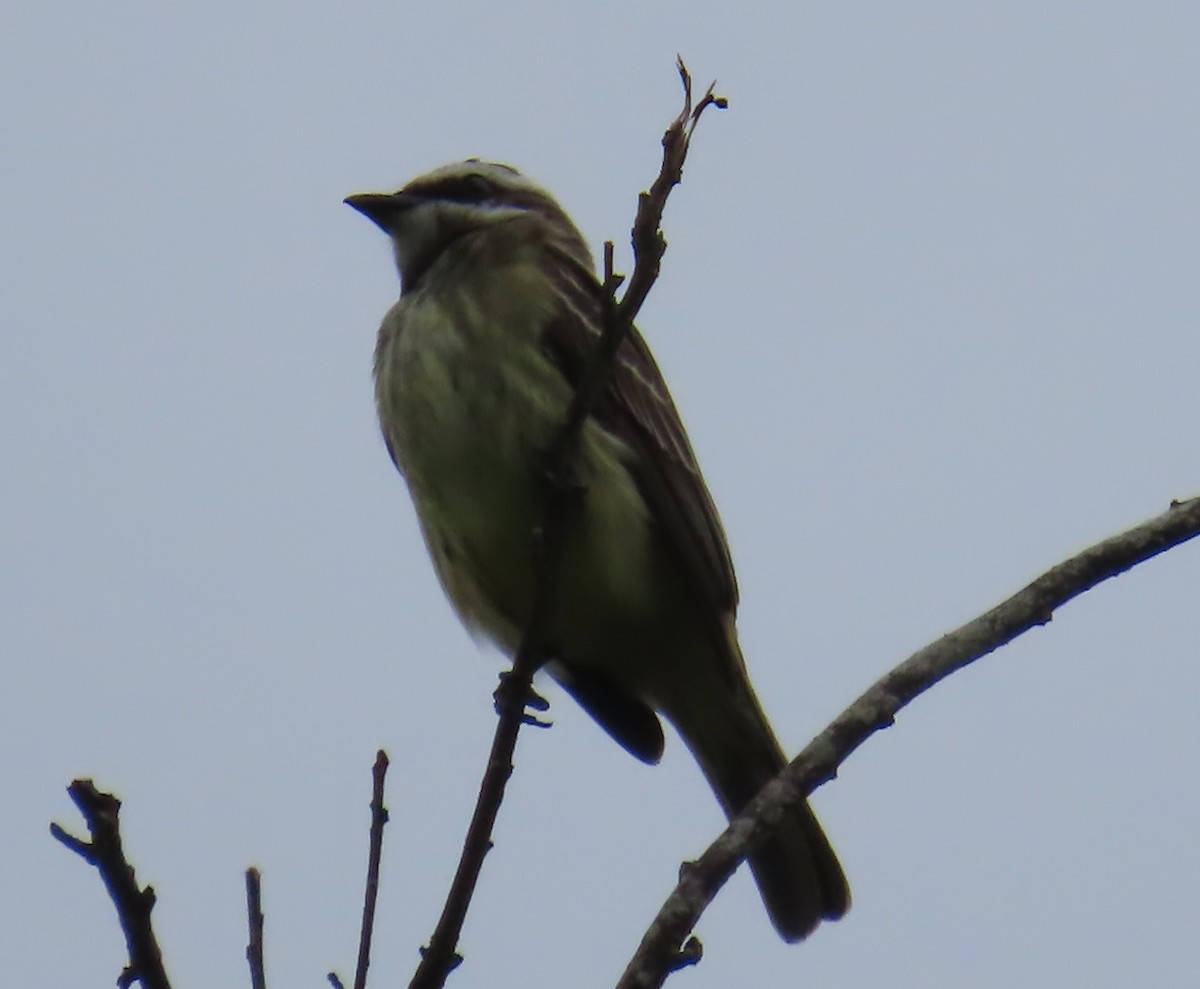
(930, 313)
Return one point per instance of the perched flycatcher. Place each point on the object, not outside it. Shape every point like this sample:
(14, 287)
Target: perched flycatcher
(475, 366)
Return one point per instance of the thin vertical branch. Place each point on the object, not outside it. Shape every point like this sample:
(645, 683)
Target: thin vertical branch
(559, 496)
(254, 947)
(379, 817)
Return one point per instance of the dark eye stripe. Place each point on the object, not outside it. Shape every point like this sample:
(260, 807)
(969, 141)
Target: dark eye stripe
(461, 189)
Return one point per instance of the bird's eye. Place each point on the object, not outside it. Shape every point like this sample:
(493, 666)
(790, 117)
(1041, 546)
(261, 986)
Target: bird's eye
(466, 189)
(479, 186)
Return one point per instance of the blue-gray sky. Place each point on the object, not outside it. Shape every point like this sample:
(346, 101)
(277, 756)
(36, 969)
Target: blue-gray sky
(930, 312)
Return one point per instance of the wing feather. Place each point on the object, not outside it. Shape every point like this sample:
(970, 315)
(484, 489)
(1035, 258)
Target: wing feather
(636, 406)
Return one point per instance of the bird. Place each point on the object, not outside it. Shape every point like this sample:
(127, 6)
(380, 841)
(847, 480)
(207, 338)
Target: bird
(475, 365)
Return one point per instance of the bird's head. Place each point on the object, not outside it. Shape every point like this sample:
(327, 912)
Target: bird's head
(436, 209)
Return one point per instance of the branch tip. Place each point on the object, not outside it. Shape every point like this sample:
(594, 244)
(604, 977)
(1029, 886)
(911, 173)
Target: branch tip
(379, 818)
(80, 847)
(254, 916)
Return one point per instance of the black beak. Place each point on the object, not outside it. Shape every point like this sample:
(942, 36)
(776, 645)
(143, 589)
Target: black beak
(381, 208)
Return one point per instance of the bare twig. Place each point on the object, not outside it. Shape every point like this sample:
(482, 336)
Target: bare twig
(379, 817)
(649, 245)
(101, 813)
(254, 947)
(559, 495)
(441, 957)
(877, 708)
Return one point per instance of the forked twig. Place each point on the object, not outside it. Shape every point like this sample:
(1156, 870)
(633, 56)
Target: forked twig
(101, 812)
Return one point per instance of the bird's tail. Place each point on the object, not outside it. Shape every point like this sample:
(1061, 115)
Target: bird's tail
(797, 872)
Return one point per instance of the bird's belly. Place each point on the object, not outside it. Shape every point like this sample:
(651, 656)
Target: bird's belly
(470, 446)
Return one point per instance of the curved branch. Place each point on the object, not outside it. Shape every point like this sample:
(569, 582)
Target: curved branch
(818, 763)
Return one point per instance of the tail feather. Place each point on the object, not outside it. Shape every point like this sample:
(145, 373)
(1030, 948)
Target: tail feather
(799, 876)
(796, 869)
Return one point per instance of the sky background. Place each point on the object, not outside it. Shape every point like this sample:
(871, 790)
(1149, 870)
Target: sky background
(930, 311)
